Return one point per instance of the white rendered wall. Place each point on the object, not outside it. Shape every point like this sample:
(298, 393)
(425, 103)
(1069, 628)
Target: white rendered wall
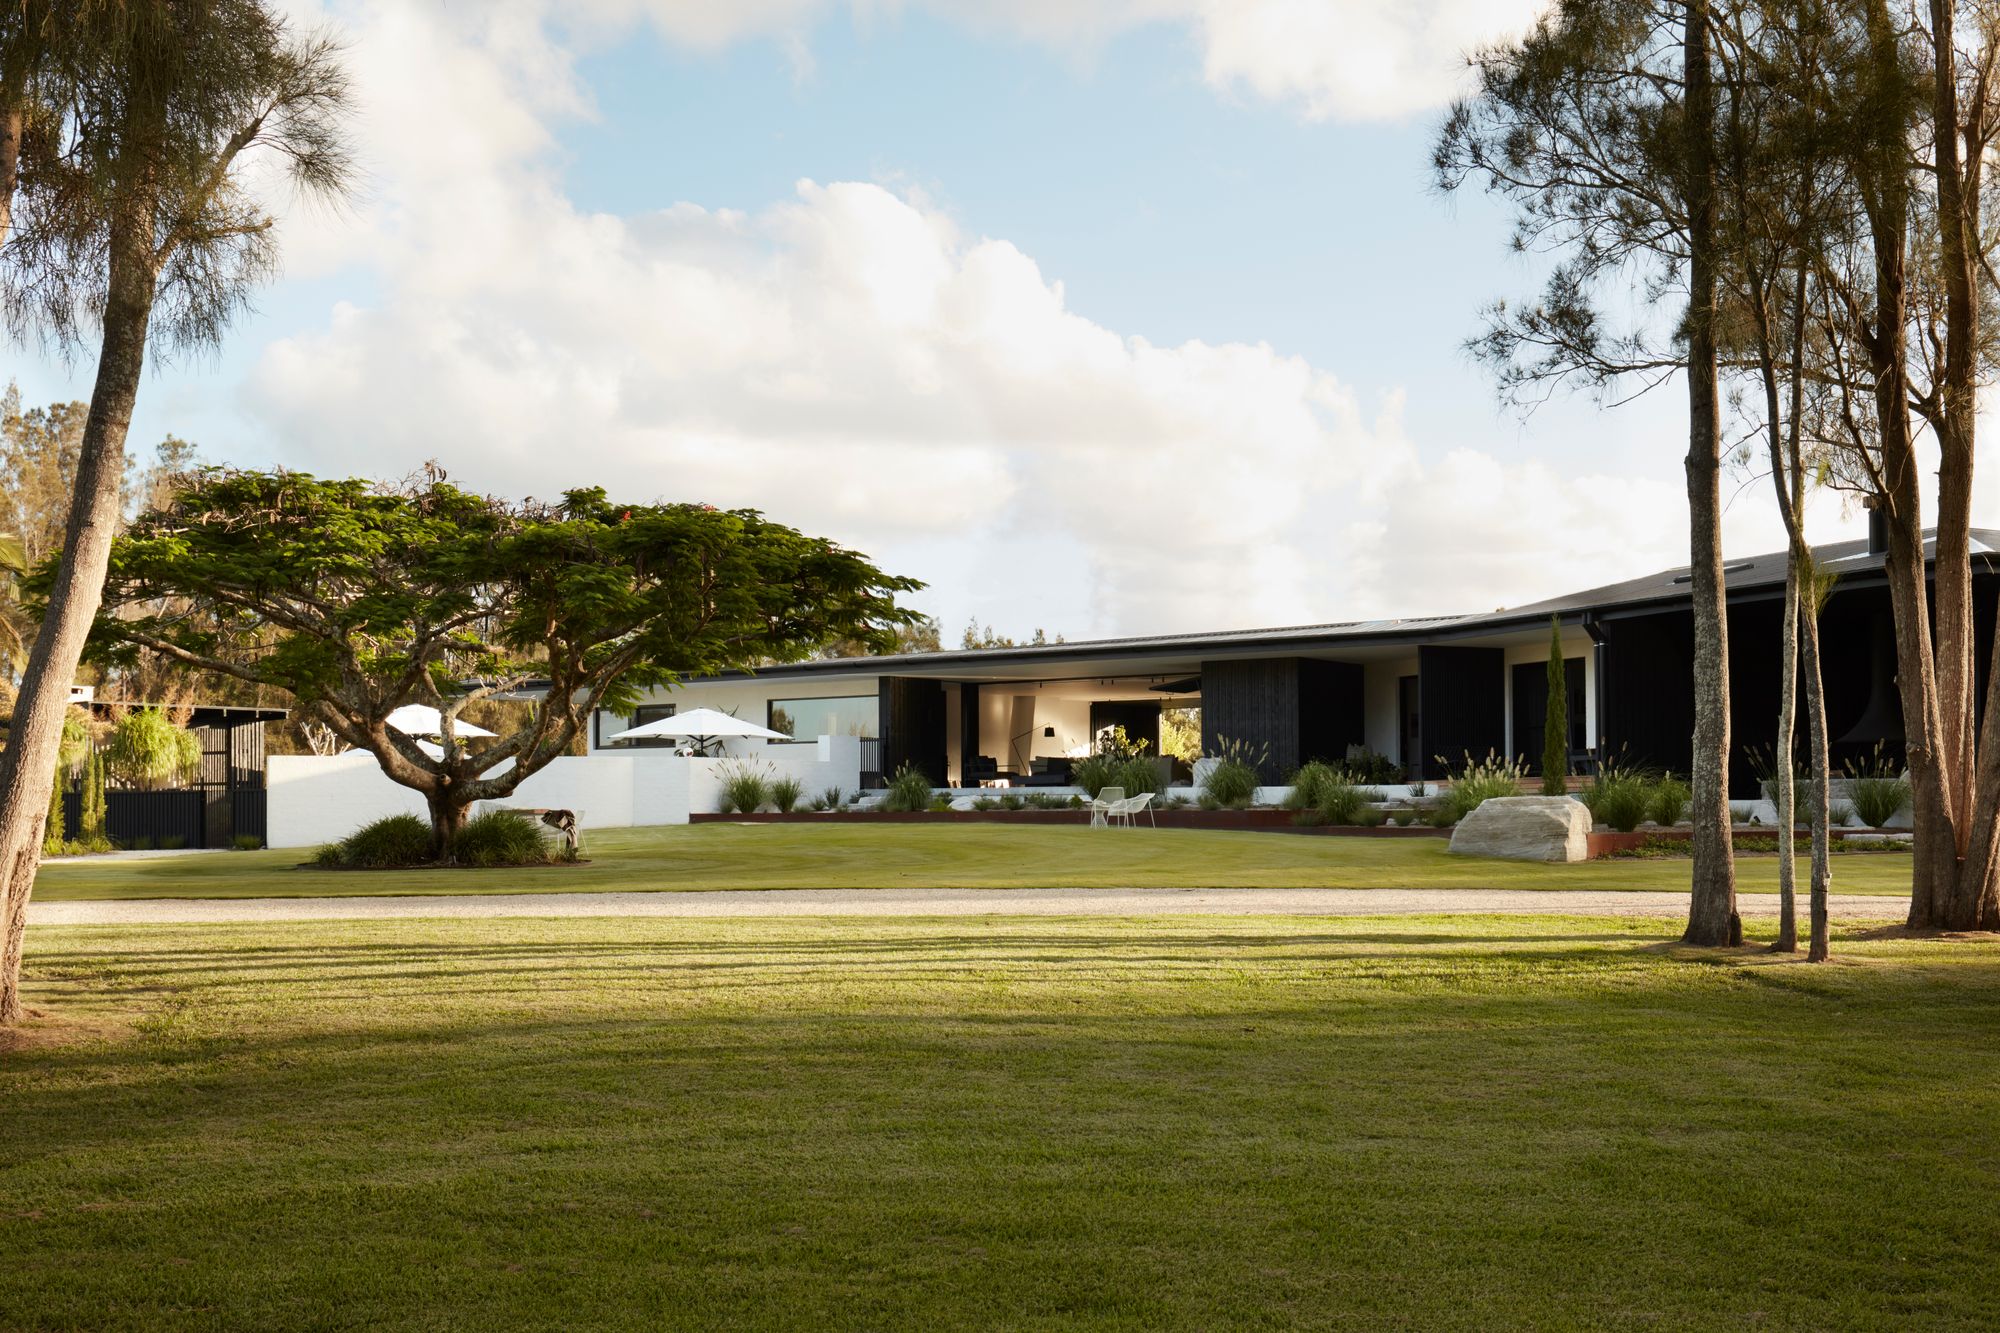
(317, 799)
(1380, 689)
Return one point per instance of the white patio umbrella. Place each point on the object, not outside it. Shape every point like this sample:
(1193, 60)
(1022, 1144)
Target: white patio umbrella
(703, 726)
(423, 720)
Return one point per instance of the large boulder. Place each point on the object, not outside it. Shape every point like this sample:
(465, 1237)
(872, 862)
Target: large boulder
(1525, 828)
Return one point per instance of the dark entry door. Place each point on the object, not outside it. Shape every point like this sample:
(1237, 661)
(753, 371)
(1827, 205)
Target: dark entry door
(1407, 726)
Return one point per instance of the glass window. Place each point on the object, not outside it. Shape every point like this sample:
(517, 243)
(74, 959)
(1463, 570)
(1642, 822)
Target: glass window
(810, 719)
(641, 715)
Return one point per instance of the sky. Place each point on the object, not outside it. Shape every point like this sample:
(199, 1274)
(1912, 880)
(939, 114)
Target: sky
(1099, 316)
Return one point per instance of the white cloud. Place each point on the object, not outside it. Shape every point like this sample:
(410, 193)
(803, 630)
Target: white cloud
(1341, 59)
(854, 362)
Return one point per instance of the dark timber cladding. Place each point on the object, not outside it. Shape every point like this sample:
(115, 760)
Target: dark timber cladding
(1287, 710)
(912, 726)
(1462, 706)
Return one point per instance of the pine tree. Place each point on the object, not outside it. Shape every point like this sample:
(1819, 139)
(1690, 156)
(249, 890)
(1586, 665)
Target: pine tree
(1555, 724)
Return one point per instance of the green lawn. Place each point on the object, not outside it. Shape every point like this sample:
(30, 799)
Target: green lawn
(984, 856)
(1051, 1123)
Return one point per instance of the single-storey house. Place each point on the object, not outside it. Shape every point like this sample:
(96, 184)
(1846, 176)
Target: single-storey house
(1423, 691)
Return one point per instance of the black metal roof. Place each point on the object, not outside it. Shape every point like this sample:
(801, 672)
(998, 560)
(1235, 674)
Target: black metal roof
(1751, 575)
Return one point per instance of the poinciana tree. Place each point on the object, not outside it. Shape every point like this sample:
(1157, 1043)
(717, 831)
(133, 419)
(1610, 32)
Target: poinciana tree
(358, 597)
(124, 218)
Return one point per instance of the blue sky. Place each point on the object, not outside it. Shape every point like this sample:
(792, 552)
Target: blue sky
(1110, 316)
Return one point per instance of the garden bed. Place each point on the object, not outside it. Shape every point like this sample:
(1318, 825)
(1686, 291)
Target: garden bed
(1260, 821)
(1657, 841)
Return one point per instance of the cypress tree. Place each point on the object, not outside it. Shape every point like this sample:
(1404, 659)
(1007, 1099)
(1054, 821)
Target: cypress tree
(1555, 724)
(52, 831)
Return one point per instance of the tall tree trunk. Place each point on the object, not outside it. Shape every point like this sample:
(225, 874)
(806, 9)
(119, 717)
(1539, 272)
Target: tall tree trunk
(1712, 917)
(1822, 860)
(28, 764)
(1781, 764)
(1957, 388)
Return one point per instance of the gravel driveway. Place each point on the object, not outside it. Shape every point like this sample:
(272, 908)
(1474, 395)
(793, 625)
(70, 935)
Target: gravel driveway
(934, 902)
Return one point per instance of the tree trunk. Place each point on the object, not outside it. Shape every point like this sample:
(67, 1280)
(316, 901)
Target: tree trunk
(1822, 860)
(28, 764)
(10, 157)
(1712, 915)
(1957, 390)
(1781, 764)
(447, 810)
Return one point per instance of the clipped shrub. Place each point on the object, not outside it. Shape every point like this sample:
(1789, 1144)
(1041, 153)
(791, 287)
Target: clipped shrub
(395, 840)
(1095, 772)
(247, 842)
(786, 793)
(501, 838)
(744, 789)
(1669, 801)
(1475, 782)
(149, 752)
(909, 791)
(1875, 790)
(1232, 781)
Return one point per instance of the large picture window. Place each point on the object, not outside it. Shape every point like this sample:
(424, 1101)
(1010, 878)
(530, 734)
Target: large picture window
(810, 719)
(641, 715)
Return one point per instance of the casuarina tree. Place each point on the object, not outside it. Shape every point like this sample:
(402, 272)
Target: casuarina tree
(127, 221)
(358, 597)
(1599, 127)
(1555, 722)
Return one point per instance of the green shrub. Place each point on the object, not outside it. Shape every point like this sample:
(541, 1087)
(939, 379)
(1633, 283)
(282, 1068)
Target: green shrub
(1364, 765)
(909, 791)
(1475, 782)
(501, 838)
(139, 845)
(247, 842)
(148, 751)
(1310, 784)
(1138, 774)
(786, 793)
(396, 840)
(744, 789)
(1232, 781)
(1876, 790)
(1669, 801)
(983, 804)
(1095, 772)
(833, 798)
(330, 856)
(173, 842)
(1618, 797)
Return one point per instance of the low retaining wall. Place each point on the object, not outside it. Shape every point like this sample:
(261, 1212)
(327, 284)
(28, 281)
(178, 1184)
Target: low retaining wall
(1261, 821)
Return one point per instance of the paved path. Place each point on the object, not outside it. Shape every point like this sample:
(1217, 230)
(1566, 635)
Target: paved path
(932, 902)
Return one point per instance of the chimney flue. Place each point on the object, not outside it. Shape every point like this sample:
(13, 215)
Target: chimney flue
(1878, 531)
